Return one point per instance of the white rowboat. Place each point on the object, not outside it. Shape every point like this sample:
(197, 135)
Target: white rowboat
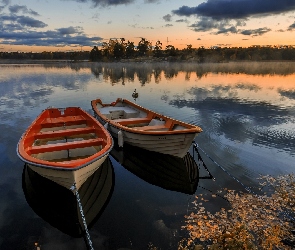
(138, 126)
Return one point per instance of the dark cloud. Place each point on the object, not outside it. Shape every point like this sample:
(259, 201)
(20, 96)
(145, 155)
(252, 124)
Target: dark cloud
(292, 26)
(30, 22)
(5, 3)
(255, 32)
(20, 21)
(18, 8)
(225, 27)
(48, 38)
(236, 9)
(205, 24)
(167, 18)
(231, 29)
(21, 8)
(168, 25)
(70, 30)
(151, 1)
(181, 21)
(110, 2)
(15, 30)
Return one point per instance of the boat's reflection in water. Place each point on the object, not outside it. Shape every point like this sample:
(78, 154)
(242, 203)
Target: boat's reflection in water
(58, 205)
(165, 171)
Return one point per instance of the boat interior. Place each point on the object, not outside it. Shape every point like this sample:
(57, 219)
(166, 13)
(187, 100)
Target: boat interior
(136, 118)
(66, 137)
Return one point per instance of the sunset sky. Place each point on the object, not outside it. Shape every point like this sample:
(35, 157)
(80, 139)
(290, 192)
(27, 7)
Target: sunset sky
(65, 25)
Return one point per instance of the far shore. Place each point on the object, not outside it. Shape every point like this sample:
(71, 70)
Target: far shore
(134, 60)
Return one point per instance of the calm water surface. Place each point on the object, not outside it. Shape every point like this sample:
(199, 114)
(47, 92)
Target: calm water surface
(247, 112)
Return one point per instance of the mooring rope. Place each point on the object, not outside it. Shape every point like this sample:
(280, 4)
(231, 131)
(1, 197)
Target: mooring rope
(196, 146)
(75, 190)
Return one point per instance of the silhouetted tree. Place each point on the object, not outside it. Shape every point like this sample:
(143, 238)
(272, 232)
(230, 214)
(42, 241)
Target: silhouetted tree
(130, 49)
(95, 54)
(143, 47)
(119, 49)
(158, 49)
(170, 50)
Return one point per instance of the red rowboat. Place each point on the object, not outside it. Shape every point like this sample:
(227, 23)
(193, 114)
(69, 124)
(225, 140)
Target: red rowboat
(65, 145)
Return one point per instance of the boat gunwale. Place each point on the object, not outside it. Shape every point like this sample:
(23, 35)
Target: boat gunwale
(65, 165)
(189, 128)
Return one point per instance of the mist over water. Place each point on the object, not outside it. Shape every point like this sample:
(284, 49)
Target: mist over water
(246, 111)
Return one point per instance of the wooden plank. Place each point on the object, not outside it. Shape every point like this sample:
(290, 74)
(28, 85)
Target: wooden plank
(169, 124)
(129, 121)
(64, 132)
(65, 146)
(154, 127)
(51, 122)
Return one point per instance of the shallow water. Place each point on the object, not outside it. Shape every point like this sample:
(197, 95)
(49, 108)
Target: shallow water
(246, 111)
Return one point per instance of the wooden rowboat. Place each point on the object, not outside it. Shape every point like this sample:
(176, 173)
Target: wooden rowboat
(141, 127)
(65, 145)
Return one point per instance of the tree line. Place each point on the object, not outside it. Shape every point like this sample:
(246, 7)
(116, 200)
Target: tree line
(120, 49)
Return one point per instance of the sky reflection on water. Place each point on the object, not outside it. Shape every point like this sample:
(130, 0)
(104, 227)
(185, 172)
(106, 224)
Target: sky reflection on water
(247, 112)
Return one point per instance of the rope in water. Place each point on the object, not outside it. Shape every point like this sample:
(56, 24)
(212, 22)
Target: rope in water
(196, 146)
(73, 188)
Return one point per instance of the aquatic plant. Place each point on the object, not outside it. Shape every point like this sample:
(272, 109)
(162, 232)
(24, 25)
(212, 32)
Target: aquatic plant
(253, 221)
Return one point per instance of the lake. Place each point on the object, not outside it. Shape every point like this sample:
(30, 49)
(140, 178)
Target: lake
(246, 111)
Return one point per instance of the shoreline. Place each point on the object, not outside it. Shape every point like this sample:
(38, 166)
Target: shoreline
(134, 60)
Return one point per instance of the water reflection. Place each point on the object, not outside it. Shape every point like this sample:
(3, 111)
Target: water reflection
(243, 121)
(247, 111)
(165, 171)
(58, 205)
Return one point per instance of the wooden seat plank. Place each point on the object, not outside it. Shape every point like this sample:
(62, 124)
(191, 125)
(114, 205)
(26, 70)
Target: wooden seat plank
(65, 146)
(50, 122)
(64, 132)
(128, 121)
(154, 127)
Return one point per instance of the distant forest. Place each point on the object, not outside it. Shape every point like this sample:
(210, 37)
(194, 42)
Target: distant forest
(120, 50)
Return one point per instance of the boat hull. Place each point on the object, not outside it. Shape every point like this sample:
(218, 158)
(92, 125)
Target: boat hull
(67, 178)
(175, 144)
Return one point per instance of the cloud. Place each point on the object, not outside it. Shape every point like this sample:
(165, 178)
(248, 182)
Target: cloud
(207, 24)
(225, 27)
(181, 21)
(30, 22)
(255, 32)
(167, 18)
(292, 26)
(236, 9)
(231, 29)
(168, 25)
(110, 2)
(151, 1)
(70, 30)
(5, 3)
(48, 38)
(204, 24)
(21, 30)
(20, 21)
(21, 8)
